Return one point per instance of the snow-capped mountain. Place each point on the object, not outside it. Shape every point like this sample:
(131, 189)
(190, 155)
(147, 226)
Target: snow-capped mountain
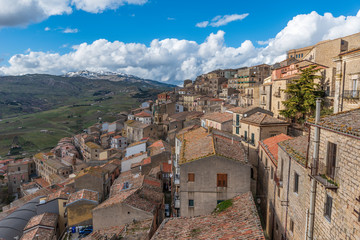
(97, 74)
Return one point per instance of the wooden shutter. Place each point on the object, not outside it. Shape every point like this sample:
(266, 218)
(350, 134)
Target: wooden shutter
(222, 180)
(191, 177)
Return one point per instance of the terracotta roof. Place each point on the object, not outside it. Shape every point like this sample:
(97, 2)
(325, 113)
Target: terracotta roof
(146, 161)
(118, 136)
(62, 193)
(39, 233)
(271, 146)
(159, 147)
(143, 114)
(139, 191)
(45, 219)
(262, 119)
(84, 194)
(218, 117)
(296, 148)
(347, 122)
(239, 221)
(199, 143)
(42, 182)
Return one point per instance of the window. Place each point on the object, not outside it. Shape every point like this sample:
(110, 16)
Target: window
(272, 173)
(191, 177)
(296, 182)
(331, 160)
(281, 170)
(328, 206)
(291, 225)
(237, 130)
(221, 180)
(278, 105)
(237, 119)
(245, 135)
(191, 202)
(219, 201)
(252, 138)
(18, 168)
(278, 192)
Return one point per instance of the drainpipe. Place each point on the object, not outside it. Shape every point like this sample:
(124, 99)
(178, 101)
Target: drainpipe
(314, 172)
(287, 197)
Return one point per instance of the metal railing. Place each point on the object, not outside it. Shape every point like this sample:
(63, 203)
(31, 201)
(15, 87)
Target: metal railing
(349, 94)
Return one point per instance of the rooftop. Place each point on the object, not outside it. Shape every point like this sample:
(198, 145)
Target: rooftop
(218, 117)
(92, 145)
(239, 221)
(84, 194)
(45, 219)
(143, 114)
(347, 122)
(199, 143)
(262, 119)
(296, 148)
(159, 147)
(181, 116)
(39, 233)
(271, 146)
(136, 124)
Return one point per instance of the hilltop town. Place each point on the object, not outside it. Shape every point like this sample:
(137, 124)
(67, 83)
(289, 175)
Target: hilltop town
(213, 159)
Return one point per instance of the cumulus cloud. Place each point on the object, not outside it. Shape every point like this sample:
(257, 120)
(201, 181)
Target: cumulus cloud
(174, 59)
(71, 30)
(222, 20)
(46, 29)
(24, 12)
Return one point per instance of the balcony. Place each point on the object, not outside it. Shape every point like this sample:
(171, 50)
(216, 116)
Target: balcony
(326, 182)
(351, 94)
(262, 92)
(262, 103)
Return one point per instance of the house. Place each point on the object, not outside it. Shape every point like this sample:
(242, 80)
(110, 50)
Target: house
(135, 130)
(79, 207)
(133, 198)
(199, 188)
(240, 112)
(265, 94)
(18, 172)
(217, 120)
(144, 117)
(95, 179)
(43, 226)
(336, 199)
(118, 142)
(135, 148)
(347, 80)
(92, 152)
(238, 221)
(269, 184)
(56, 203)
(52, 169)
(127, 162)
(116, 126)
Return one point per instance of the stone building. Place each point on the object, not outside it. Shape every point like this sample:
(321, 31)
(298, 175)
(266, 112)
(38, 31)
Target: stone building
(217, 120)
(92, 152)
(18, 172)
(265, 94)
(337, 195)
(79, 207)
(133, 198)
(347, 81)
(268, 190)
(52, 169)
(135, 131)
(199, 188)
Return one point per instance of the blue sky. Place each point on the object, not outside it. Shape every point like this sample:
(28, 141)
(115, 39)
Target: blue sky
(145, 21)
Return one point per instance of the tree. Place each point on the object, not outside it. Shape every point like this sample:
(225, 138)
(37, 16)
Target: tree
(301, 95)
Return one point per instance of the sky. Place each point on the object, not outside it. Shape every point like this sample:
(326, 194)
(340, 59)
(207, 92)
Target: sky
(164, 40)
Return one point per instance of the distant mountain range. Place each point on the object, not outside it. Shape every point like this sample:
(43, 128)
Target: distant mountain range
(38, 92)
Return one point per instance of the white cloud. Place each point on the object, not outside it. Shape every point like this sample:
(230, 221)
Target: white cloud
(97, 6)
(222, 20)
(71, 30)
(24, 12)
(174, 59)
(47, 29)
(170, 18)
(202, 24)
